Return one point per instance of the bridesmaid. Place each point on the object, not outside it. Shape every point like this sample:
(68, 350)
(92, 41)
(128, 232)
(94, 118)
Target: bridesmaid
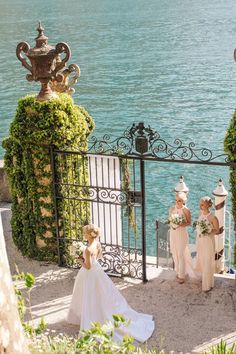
(205, 244)
(179, 239)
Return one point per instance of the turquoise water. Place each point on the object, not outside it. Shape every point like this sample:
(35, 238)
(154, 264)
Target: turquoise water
(168, 63)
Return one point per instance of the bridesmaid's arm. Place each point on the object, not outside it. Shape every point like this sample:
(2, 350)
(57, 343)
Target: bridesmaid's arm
(86, 263)
(188, 218)
(215, 224)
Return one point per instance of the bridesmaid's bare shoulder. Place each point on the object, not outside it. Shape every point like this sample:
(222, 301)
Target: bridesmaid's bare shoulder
(186, 210)
(212, 217)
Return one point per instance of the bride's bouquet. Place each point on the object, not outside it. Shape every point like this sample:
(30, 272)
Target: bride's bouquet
(77, 249)
(175, 220)
(203, 227)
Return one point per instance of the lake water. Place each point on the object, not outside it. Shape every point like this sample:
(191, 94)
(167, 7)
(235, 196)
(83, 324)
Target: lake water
(167, 63)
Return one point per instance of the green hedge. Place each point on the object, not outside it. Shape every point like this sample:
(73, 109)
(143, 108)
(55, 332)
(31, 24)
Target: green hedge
(230, 149)
(35, 127)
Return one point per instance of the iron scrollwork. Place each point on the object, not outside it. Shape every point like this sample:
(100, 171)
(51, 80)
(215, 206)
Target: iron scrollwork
(118, 146)
(92, 194)
(118, 260)
(144, 142)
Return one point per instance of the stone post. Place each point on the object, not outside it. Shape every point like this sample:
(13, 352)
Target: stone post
(220, 194)
(181, 186)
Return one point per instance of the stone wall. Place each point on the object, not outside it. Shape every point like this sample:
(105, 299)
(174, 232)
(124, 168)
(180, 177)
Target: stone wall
(5, 195)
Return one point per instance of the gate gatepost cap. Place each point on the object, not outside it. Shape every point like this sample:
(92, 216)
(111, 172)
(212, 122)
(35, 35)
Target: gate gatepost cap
(181, 186)
(220, 190)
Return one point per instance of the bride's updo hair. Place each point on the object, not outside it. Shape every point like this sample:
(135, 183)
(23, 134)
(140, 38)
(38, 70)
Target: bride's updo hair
(182, 196)
(93, 230)
(208, 200)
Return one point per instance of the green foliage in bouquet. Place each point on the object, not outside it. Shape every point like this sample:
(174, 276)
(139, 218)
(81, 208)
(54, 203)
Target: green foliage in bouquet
(36, 126)
(230, 149)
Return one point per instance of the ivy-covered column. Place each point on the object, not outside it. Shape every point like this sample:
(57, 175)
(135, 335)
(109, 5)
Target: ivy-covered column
(50, 118)
(230, 149)
(27, 159)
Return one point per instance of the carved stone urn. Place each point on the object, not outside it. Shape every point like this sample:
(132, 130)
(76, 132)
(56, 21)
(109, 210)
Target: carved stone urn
(45, 63)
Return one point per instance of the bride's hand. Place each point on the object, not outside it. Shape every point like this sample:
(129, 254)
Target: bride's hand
(80, 260)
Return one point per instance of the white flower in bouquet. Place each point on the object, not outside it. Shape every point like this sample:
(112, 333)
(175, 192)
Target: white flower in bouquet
(203, 227)
(77, 249)
(175, 220)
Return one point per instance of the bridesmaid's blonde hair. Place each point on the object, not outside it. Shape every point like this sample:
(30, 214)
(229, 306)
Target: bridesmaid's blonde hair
(92, 230)
(208, 200)
(182, 196)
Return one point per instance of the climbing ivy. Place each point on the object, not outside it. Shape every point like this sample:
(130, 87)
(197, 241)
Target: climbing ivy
(230, 149)
(36, 126)
(126, 186)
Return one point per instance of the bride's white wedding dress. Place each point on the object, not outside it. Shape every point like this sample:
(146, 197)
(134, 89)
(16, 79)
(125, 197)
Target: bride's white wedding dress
(95, 299)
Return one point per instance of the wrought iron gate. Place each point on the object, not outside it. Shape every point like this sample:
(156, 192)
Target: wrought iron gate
(109, 191)
(105, 184)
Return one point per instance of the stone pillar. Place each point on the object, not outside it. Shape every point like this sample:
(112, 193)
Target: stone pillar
(220, 194)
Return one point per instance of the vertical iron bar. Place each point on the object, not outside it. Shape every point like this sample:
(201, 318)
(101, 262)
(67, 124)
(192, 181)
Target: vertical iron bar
(142, 180)
(84, 187)
(91, 188)
(109, 205)
(115, 206)
(97, 186)
(157, 244)
(55, 202)
(135, 213)
(74, 173)
(104, 205)
(60, 169)
(68, 192)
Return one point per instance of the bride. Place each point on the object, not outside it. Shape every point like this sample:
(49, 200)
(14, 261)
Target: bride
(95, 298)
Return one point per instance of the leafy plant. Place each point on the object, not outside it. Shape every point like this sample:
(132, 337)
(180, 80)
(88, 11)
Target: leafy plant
(230, 149)
(29, 281)
(222, 348)
(97, 340)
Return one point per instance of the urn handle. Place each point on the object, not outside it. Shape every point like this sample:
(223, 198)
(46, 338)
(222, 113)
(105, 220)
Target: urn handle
(61, 48)
(24, 47)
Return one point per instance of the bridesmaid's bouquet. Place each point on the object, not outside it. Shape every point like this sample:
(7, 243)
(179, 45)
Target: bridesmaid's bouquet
(203, 227)
(175, 220)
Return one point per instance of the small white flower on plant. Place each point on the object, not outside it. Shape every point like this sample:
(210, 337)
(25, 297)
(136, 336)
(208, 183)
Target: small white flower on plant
(175, 220)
